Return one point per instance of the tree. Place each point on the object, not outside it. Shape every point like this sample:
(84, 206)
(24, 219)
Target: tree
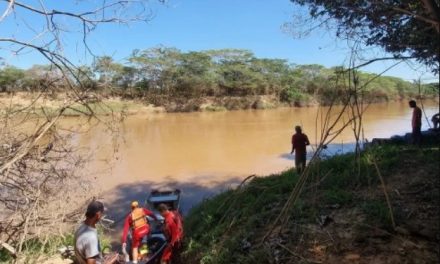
(10, 78)
(157, 66)
(407, 29)
(194, 75)
(109, 72)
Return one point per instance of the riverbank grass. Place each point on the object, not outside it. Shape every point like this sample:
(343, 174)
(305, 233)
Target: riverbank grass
(347, 193)
(41, 249)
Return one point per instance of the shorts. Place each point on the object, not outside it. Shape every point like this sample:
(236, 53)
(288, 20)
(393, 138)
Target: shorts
(300, 159)
(138, 234)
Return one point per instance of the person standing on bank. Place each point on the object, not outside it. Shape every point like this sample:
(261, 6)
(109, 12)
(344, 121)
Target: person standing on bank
(416, 123)
(299, 143)
(87, 248)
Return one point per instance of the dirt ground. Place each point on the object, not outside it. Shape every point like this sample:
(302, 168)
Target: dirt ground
(349, 238)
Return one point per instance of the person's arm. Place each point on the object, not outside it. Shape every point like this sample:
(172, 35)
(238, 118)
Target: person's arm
(293, 144)
(174, 232)
(166, 230)
(91, 261)
(125, 230)
(307, 141)
(149, 213)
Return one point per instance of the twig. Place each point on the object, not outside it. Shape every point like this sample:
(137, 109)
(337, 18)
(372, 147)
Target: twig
(379, 174)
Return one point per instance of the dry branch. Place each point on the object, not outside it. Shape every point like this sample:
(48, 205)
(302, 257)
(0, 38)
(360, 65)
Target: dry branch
(41, 187)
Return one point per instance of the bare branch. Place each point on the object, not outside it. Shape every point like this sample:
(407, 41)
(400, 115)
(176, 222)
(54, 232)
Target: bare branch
(8, 10)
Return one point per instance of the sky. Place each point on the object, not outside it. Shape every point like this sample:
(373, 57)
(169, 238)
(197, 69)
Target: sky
(194, 25)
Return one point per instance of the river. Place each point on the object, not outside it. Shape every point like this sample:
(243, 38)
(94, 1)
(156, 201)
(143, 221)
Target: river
(205, 152)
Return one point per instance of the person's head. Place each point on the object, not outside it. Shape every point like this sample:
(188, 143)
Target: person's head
(134, 205)
(298, 129)
(95, 211)
(162, 208)
(412, 104)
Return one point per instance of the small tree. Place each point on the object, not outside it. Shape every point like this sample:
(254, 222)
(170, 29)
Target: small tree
(10, 78)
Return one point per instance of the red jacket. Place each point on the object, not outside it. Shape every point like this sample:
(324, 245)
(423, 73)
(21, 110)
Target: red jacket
(173, 228)
(129, 222)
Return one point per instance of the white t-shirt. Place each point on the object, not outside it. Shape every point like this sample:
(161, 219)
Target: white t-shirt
(87, 244)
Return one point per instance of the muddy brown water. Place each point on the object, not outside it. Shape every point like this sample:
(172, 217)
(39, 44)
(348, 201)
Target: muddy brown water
(205, 152)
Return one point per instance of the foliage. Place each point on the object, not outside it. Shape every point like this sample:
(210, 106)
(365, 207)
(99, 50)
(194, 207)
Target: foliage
(34, 248)
(10, 78)
(162, 74)
(400, 27)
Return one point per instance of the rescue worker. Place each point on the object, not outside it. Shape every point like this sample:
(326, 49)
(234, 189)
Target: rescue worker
(139, 225)
(173, 230)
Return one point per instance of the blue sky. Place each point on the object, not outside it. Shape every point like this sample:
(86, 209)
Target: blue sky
(255, 25)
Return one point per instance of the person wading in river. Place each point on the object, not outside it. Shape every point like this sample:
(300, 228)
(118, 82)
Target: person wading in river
(299, 143)
(416, 123)
(140, 228)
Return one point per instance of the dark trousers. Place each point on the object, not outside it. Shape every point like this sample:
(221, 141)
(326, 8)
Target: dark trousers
(416, 135)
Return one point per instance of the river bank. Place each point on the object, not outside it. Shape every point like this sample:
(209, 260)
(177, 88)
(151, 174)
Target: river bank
(110, 104)
(342, 215)
(206, 152)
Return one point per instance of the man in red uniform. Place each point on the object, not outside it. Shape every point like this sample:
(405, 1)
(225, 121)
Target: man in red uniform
(299, 143)
(140, 228)
(173, 230)
(416, 122)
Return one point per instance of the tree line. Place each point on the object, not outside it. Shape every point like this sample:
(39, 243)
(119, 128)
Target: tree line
(226, 72)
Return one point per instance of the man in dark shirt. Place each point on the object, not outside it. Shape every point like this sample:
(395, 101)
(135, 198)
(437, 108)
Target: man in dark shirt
(416, 122)
(299, 143)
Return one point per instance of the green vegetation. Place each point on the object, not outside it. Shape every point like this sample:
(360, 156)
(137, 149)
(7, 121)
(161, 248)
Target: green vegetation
(166, 77)
(35, 250)
(228, 228)
(386, 24)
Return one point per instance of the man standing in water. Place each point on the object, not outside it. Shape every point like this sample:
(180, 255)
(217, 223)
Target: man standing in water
(416, 122)
(299, 143)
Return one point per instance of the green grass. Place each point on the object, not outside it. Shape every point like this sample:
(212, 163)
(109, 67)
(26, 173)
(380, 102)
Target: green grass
(337, 196)
(34, 248)
(377, 213)
(217, 227)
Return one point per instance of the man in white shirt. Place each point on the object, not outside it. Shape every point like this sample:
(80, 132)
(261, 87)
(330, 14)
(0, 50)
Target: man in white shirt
(87, 248)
